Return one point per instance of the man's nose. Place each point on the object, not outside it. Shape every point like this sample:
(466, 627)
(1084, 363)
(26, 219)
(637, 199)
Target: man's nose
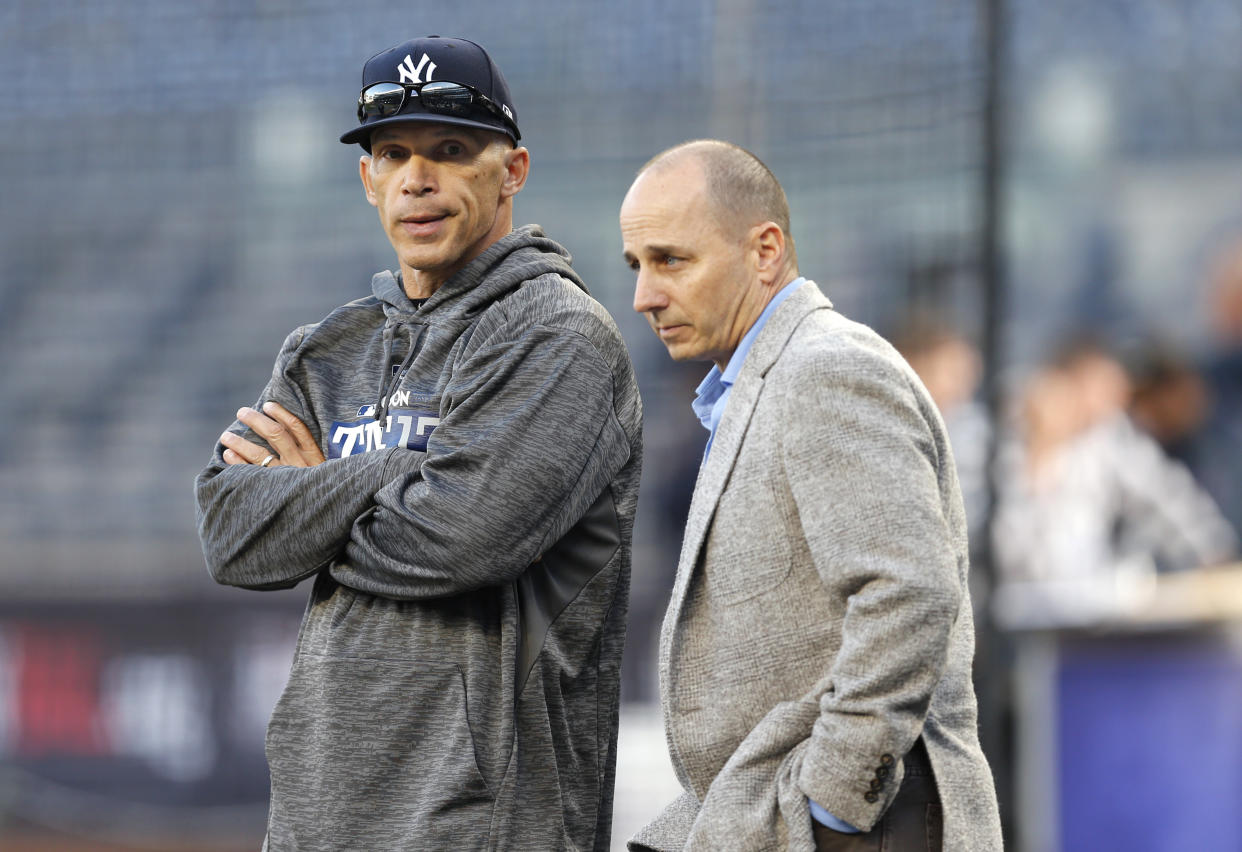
(418, 177)
(648, 296)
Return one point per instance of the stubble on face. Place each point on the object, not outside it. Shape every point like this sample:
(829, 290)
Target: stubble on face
(438, 190)
(692, 279)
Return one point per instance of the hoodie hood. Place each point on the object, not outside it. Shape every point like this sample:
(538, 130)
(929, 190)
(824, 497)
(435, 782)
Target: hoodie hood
(521, 255)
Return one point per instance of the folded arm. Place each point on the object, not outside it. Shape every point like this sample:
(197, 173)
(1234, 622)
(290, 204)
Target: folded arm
(268, 526)
(527, 442)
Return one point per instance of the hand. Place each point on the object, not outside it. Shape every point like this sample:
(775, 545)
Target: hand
(289, 438)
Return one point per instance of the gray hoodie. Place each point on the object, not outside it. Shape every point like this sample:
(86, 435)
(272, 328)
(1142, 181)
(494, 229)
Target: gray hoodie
(455, 684)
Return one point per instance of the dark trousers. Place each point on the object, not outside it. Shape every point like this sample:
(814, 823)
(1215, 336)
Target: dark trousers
(912, 823)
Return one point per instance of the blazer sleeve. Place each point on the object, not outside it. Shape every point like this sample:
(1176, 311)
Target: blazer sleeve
(861, 456)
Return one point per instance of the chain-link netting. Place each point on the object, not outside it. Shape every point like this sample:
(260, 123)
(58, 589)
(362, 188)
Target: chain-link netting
(175, 202)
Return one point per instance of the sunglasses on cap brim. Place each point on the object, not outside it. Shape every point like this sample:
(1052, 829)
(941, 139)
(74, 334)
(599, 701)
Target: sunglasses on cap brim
(384, 99)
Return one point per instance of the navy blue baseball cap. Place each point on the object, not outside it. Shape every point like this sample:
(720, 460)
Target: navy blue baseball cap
(414, 81)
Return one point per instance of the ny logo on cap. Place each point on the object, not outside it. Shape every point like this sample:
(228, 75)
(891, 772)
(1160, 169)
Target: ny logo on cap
(410, 73)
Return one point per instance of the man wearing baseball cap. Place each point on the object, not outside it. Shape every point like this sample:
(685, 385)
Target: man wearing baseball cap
(454, 460)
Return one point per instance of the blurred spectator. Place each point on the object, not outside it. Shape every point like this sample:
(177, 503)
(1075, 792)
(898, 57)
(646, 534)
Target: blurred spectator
(1170, 401)
(948, 364)
(1216, 455)
(1084, 495)
(951, 367)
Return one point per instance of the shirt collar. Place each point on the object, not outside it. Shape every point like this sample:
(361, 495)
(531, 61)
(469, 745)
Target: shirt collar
(734, 367)
(706, 394)
(729, 376)
(715, 382)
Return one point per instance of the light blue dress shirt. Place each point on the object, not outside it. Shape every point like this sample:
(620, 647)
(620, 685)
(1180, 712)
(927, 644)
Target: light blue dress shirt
(710, 399)
(713, 392)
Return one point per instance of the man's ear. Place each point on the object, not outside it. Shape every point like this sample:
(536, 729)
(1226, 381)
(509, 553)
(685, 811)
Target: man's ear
(517, 167)
(768, 243)
(364, 172)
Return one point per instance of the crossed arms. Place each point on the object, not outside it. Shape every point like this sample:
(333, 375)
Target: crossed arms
(528, 439)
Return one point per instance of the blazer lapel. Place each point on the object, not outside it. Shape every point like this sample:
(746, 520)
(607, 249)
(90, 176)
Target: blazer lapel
(714, 474)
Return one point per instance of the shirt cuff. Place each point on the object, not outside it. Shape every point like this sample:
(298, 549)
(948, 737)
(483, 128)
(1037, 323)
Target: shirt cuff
(822, 817)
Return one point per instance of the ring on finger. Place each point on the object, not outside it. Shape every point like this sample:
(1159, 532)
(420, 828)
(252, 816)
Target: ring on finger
(267, 460)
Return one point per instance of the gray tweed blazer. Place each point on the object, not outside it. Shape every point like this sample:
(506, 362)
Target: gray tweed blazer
(820, 620)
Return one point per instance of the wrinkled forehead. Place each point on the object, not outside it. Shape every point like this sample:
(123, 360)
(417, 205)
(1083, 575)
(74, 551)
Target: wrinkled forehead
(683, 175)
(665, 195)
(429, 131)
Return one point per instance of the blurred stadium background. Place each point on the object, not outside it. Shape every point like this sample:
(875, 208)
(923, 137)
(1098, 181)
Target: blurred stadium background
(175, 201)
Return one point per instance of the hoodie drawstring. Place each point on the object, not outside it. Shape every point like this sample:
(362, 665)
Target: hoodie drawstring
(386, 373)
(392, 380)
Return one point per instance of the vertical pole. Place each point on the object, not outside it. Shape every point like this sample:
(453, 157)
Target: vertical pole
(994, 653)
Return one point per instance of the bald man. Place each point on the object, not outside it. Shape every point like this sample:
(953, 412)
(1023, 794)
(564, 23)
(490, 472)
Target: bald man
(815, 657)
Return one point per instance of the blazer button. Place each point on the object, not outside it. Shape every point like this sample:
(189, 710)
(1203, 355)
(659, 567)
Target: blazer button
(881, 772)
(871, 797)
(887, 760)
(876, 783)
